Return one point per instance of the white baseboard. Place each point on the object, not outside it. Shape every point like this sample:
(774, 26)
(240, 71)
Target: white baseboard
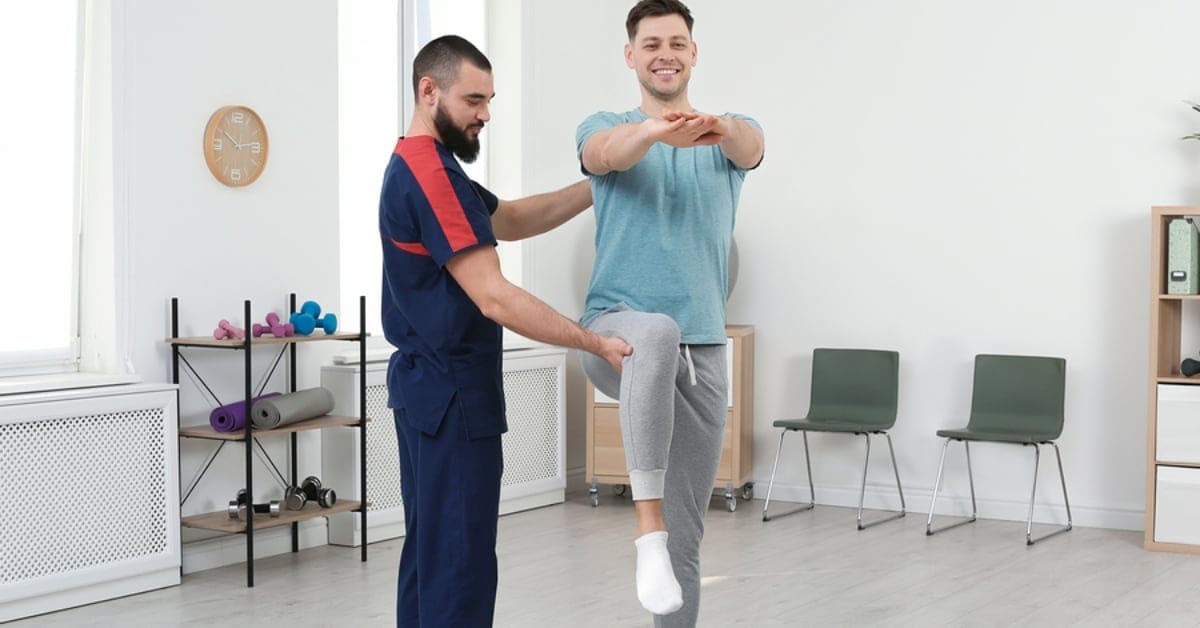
(883, 497)
(536, 500)
(953, 505)
(37, 605)
(231, 549)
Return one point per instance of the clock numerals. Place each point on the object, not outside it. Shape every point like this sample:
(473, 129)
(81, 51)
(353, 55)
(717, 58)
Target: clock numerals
(235, 174)
(237, 117)
(255, 147)
(218, 145)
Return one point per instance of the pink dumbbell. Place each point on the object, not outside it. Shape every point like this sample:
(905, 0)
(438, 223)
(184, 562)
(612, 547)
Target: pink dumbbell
(273, 327)
(226, 330)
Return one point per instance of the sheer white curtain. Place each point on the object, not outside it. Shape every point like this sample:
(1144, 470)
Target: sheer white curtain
(40, 61)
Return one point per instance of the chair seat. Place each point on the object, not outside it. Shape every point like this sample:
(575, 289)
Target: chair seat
(1001, 436)
(830, 425)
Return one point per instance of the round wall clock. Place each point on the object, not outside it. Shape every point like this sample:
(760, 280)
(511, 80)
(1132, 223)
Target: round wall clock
(235, 145)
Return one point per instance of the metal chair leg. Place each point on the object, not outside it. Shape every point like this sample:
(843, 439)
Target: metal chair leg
(929, 530)
(970, 479)
(775, 467)
(896, 470)
(1029, 540)
(862, 493)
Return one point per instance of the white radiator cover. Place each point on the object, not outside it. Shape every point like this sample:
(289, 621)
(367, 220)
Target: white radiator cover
(534, 447)
(92, 496)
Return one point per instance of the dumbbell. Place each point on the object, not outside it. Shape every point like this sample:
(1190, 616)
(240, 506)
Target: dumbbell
(227, 330)
(237, 508)
(310, 490)
(273, 327)
(309, 318)
(1189, 367)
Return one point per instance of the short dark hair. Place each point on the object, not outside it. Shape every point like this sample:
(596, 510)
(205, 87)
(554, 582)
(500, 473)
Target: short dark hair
(440, 58)
(656, 8)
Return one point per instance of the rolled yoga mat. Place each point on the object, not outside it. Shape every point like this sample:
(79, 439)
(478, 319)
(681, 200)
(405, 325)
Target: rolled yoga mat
(232, 417)
(292, 407)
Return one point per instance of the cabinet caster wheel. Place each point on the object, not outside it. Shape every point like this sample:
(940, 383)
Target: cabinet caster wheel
(618, 489)
(595, 500)
(748, 491)
(730, 503)
(594, 493)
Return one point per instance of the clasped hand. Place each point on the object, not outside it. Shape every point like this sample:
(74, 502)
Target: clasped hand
(687, 129)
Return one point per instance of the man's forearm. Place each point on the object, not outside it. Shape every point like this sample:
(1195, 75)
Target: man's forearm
(529, 316)
(742, 143)
(617, 149)
(537, 214)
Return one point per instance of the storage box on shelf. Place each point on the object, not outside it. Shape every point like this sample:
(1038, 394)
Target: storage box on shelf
(1173, 433)
(606, 454)
(220, 521)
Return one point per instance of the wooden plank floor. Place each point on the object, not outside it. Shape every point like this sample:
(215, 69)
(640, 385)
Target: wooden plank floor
(572, 565)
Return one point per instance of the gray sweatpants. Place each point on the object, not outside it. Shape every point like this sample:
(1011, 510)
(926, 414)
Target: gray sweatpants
(673, 406)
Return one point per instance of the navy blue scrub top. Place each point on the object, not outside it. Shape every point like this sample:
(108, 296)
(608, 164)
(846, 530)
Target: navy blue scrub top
(448, 354)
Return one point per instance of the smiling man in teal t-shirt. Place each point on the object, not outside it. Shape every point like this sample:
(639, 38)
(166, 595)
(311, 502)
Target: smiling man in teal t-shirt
(665, 185)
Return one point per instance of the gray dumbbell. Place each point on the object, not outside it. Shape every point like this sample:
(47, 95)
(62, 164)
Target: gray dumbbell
(310, 490)
(237, 508)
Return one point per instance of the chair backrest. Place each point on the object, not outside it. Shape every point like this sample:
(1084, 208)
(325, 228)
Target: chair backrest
(1017, 393)
(855, 386)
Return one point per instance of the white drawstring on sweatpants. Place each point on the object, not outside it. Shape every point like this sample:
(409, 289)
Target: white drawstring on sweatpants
(687, 355)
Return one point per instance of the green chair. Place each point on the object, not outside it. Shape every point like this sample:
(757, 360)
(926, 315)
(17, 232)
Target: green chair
(1017, 400)
(854, 391)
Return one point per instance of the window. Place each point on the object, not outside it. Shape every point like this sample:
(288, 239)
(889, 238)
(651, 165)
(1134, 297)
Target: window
(40, 53)
(376, 46)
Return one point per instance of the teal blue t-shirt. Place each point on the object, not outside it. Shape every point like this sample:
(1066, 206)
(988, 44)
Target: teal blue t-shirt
(663, 229)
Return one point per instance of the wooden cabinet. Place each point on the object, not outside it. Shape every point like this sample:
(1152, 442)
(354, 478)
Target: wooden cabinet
(606, 453)
(1173, 431)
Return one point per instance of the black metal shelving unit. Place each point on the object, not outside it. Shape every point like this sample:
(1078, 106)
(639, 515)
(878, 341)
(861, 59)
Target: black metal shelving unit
(220, 521)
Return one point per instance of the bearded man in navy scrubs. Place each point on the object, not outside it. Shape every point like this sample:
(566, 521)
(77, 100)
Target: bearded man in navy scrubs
(444, 302)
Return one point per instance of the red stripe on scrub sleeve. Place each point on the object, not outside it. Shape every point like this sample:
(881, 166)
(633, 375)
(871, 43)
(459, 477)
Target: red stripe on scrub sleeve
(415, 248)
(427, 169)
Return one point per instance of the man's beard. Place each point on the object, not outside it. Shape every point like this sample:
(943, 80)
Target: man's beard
(455, 139)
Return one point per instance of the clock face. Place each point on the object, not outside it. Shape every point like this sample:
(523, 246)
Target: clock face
(235, 145)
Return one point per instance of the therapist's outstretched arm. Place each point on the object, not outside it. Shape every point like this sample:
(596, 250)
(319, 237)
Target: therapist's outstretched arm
(537, 214)
(478, 272)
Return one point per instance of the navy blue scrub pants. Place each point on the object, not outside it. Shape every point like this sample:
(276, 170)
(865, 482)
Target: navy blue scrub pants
(451, 490)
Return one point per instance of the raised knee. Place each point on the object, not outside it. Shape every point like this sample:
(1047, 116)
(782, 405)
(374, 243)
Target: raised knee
(661, 331)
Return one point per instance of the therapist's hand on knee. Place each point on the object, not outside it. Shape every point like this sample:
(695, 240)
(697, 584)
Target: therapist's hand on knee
(614, 351)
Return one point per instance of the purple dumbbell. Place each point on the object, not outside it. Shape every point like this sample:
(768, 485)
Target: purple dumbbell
(225, 329)
(273, 327)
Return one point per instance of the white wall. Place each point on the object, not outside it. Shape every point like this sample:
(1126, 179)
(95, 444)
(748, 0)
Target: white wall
(941, 178)
(214, 246)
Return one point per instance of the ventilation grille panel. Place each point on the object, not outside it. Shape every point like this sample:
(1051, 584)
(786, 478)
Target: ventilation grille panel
(81, 492)
(383, 457)
(531, 449)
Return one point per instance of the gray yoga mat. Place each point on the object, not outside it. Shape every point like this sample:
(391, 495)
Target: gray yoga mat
(303, 404)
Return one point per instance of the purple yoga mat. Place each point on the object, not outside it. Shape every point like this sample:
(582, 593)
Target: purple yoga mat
(232, 417)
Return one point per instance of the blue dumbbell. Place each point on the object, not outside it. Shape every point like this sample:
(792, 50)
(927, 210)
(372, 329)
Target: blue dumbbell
(309, 318)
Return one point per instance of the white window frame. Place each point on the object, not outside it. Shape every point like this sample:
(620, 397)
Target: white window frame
(100, 311)
(414, 29)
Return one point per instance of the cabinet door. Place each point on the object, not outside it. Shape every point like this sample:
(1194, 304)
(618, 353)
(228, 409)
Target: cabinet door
(609, 451)
(1178, 437)
(1177, 506)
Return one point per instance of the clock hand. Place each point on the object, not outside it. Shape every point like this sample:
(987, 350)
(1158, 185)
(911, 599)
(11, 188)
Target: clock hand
(235, 142)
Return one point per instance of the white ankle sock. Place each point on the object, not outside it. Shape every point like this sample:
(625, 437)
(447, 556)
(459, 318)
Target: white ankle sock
(657, 588)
